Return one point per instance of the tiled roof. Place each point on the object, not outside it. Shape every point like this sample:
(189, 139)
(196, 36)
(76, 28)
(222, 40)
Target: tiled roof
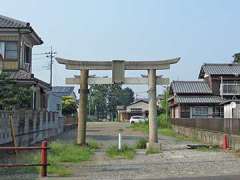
(199, 99)
(21, 76)
(190, 87)
(6, 22)
(220, 69)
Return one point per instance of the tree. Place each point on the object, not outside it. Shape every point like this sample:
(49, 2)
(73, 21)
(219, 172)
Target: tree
(97, 99)
(69, 105)
(104, 99)
(127, 96)
(13, 95)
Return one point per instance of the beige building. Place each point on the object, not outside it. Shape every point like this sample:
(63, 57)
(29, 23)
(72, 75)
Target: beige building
(139, 107)
(17, 38)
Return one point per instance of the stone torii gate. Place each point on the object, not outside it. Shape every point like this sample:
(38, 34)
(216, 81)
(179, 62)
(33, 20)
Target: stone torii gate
(118, 68)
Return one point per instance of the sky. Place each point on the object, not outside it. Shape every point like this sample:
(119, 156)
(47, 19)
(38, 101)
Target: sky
(197, 31)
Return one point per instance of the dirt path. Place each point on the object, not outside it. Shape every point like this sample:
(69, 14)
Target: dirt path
(175, 160)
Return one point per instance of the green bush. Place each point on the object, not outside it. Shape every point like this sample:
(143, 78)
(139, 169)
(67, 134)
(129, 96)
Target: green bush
(142, 126)
(163, 122)
(141, 143)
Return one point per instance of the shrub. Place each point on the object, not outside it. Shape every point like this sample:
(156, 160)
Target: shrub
(141, 143)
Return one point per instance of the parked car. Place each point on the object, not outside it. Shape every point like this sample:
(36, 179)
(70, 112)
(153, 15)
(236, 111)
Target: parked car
(137, 119)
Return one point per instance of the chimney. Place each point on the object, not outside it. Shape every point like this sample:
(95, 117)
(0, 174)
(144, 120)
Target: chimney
(236, 58)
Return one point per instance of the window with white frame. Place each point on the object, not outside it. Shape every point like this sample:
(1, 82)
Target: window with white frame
(200, 112)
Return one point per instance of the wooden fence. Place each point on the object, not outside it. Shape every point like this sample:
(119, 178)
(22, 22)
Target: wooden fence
(231, 126)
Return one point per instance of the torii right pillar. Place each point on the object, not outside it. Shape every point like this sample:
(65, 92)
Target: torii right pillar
(153, 127)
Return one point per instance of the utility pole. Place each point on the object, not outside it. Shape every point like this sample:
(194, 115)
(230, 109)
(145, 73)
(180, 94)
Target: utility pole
(51, 55)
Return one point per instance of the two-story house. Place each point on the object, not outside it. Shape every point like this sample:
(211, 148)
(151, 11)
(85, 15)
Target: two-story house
(218, 84)
(17, 38)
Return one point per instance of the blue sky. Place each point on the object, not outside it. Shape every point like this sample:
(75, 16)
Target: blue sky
(198, 31)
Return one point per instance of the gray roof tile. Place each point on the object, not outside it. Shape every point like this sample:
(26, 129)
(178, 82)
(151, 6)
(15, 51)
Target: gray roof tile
(199, 99)
(23, 76)
(220, 69)
(190, 87)
(7, 22)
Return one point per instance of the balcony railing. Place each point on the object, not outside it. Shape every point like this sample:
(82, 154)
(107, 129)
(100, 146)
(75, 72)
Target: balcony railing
(230, 89)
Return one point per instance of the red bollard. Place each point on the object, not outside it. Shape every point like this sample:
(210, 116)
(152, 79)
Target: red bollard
(225, 142)
(44, 159)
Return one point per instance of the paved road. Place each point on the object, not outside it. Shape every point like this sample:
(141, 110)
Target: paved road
(176, 162)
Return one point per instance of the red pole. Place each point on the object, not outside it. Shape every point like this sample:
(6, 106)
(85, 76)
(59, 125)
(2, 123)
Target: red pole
(44, 159)
(225, 142)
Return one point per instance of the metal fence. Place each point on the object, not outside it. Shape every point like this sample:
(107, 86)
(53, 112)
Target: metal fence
(231, 126)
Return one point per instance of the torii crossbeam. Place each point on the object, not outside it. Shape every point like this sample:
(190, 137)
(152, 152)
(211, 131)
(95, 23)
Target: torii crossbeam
(118, 68)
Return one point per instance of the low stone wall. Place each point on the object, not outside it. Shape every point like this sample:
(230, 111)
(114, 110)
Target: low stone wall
(208, 137)
(30, 126)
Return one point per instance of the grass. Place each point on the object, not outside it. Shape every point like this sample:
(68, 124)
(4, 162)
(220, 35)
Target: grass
(152, 151)
(142, 126)
(141, 143)
(164, 129)
(126, 152)
(170, 132)
(59, 155)
(213, 148)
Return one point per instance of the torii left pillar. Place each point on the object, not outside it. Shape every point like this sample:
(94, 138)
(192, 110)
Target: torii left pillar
(82, 116)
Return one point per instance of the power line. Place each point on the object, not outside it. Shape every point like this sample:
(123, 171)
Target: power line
(51, 54)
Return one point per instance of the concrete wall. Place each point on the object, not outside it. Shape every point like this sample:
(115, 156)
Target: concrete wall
(208, 137)
(30, 126)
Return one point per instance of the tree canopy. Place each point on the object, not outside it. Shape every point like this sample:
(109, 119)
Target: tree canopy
(69, 105)
(13, 95)
(104, 99)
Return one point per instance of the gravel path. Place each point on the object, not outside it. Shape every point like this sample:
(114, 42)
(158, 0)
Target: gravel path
(176, 162)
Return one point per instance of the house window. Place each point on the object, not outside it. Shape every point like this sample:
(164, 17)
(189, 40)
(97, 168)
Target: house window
(11, 50)
(27, 54)
(185, 111)
(200, 112)
(2, 50)
(58, 107)
(136, 109)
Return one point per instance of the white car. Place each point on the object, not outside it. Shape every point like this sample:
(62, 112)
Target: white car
(137, 119)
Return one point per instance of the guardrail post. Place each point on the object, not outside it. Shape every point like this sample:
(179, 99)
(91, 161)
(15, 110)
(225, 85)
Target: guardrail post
(44, 159)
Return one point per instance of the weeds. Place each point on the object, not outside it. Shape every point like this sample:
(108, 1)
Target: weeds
(152, 151)
(126, 152)
(141, 143)
(59, 154)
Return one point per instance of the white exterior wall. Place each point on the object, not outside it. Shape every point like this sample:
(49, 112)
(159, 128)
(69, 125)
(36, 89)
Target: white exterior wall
(142, 105)
(227, 111)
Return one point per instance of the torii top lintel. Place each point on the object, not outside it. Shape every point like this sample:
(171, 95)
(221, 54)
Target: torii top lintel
(107, 65)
